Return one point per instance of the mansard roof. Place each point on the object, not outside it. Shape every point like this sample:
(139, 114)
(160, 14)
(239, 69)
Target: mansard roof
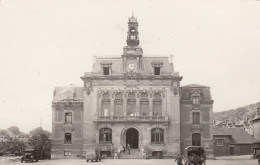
(68, 92)
(117, 66)
(188, 90)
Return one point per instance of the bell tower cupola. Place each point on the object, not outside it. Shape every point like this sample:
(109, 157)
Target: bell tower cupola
(132, 48)
(132, 34)
(132, 55)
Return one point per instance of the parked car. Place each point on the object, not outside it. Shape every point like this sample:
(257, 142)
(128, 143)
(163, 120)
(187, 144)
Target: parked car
(30, 155)
(93, 156)
(194, 155)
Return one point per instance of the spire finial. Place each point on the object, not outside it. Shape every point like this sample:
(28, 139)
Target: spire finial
(132, 13)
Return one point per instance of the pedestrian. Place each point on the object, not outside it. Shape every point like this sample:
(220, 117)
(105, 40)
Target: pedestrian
(119, 152)
(178, 159)
(123, 149)
(115, 155)
(128, 148)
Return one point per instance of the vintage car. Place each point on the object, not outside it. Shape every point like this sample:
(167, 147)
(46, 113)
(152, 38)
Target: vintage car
(194, 155)
(30, 155)
(93, 156)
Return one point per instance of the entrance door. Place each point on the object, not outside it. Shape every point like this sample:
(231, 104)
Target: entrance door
(132, 136)
(231, 150)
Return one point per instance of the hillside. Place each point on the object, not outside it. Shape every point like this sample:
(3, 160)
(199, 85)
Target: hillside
(241, 113)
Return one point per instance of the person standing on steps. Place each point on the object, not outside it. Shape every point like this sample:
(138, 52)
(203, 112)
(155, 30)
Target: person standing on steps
(178, 159)
(128, 148)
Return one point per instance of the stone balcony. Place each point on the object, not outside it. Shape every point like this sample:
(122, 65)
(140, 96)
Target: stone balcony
(137, 119)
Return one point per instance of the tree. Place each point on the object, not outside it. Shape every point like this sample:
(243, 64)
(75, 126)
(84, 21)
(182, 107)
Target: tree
(14, 129)
(4, 134)
(39, 131)
(12, 146)
(40, 141)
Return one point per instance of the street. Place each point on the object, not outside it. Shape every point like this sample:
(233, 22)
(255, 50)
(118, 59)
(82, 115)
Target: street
(234, 160)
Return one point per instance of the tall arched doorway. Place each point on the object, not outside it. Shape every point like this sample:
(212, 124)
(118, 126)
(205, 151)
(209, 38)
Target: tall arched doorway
(132, 137)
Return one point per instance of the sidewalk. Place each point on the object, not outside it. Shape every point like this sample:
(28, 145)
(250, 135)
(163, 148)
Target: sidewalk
(240, 157)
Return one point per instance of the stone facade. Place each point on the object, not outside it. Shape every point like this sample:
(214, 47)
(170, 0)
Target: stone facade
(131, 99)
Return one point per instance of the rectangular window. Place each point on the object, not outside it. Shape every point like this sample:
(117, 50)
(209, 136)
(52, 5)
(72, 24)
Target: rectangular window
(67, 139)
(157, 135)
(157, 70)
(196, 117)
(219, 142)
(68, 117)
(67, 153)
(195, 99)
(106, 70)
(105, 135)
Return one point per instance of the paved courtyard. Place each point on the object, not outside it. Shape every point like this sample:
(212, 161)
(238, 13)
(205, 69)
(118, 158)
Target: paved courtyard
(235, 160)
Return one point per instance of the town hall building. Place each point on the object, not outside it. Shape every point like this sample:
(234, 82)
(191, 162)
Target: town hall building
(132, 99)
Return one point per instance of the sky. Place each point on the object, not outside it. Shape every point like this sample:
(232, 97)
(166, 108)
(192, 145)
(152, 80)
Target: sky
(50, 43)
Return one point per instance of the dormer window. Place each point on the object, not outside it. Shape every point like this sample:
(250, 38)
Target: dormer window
(157, 67)
(157, 70)
(106, 70)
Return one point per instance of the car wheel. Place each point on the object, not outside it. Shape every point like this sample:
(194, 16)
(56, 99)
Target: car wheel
(87, 160)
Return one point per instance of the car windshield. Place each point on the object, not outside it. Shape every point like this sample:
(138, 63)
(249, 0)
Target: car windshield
(195, 151)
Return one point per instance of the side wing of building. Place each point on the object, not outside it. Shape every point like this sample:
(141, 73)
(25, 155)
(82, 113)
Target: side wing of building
(196, 117)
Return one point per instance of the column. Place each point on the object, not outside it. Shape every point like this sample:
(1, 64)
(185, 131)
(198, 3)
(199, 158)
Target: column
(150, 104)
(124, 104)
(137, 105)
(99, 106)
(163, 106)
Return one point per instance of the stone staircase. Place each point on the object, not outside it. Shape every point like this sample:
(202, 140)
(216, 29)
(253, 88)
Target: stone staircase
(134, 154)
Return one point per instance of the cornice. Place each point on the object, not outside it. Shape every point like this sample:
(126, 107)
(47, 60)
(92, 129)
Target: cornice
(132, 77)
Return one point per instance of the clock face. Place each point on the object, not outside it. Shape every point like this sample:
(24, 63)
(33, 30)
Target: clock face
(132, 30)
(131, 66)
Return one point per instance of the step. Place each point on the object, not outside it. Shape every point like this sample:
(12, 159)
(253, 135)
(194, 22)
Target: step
(134, 154)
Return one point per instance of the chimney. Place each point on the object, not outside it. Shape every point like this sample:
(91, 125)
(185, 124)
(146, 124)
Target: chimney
(171, 61)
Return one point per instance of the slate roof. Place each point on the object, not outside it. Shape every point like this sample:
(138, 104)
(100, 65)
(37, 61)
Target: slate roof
(186, 91)
(68, 92)
(238, 135)
(117, 67)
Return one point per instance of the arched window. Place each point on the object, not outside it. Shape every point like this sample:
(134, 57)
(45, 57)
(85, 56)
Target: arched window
(105, 135)
(157, 104)
(105, 104)
(131, 105)
(144, 104)
(196, 139)
(157, 135)
(118, 104)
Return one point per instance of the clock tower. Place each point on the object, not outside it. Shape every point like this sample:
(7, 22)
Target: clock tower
(132, 55)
